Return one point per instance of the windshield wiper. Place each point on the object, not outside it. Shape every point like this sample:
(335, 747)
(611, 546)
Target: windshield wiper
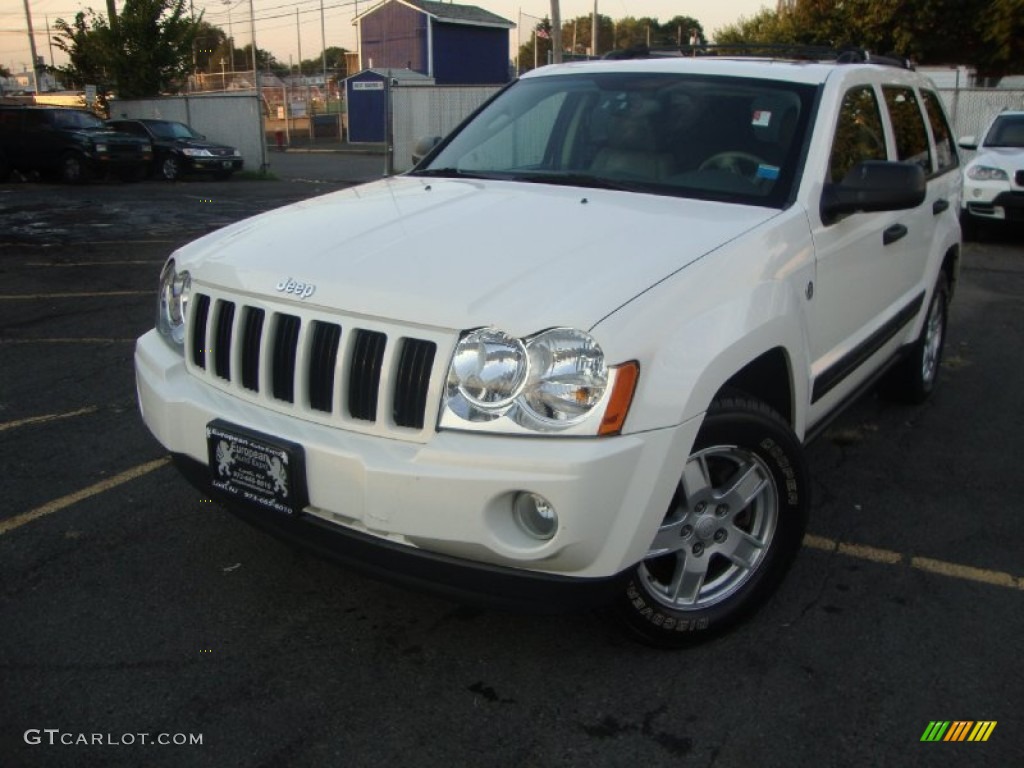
(456, 173)
(576, 179)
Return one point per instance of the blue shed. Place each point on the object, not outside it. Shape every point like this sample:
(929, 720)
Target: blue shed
(366, 101)
(454, 44)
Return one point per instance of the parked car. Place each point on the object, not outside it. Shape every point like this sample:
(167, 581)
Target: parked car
(994, 178)
(71, 144)
(178, 149)
(574, 356)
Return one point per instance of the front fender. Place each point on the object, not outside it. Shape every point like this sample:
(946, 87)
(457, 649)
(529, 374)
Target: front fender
(694, 331)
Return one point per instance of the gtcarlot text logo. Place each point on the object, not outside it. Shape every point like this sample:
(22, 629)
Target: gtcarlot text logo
(55, 737)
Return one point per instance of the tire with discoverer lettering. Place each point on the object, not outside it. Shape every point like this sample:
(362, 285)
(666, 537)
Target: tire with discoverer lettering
(731, 532)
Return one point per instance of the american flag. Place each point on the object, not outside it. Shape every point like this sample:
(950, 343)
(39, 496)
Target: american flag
(541, 32)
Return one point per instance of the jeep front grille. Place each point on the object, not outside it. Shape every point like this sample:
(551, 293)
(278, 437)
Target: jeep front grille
(368, 376)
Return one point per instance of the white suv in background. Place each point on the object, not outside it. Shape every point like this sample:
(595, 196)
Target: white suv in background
(994, 178)
(573, 357)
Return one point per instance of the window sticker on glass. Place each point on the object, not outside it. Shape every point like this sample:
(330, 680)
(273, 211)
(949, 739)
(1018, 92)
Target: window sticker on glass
(762, 118)
(770, 172)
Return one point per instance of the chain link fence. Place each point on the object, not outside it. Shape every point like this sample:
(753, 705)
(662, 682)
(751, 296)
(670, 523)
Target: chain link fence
(972, 109)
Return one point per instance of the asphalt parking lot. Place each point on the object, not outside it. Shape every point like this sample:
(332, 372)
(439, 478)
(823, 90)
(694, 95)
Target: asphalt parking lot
(133, 610)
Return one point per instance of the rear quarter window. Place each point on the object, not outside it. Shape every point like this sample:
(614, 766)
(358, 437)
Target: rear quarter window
(945, 147)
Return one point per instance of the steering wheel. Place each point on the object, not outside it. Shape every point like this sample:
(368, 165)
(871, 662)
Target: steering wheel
(735, 162)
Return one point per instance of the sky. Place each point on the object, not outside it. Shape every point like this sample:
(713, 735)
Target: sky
(278, 31)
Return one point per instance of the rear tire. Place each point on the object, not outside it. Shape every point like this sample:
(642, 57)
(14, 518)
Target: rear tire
(913, 379)
(731, 532)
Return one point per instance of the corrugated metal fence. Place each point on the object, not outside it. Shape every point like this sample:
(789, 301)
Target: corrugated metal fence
(430, 111)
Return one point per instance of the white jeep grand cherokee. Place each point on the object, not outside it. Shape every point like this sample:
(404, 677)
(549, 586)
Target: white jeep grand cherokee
(573, 356)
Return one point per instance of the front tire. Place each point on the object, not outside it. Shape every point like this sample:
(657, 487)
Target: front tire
(731, 532)
(74, 169)
(170, 168)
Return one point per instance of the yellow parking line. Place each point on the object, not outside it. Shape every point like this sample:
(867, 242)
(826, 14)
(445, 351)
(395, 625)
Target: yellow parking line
(889, 557)
(86, 340)
(47, 418)
(967, 573)
(73, 498)
(84, 295)
(870, 553)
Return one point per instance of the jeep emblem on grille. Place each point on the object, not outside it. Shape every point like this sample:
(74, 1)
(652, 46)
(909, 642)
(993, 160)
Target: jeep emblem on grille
(302, 290)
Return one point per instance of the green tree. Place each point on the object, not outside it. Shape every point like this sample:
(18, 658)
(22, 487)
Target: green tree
(209, 42)
(988, 34)
(87, 42)
(148, 52)
(1002, 49)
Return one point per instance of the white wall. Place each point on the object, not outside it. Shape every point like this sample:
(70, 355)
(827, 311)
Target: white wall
(228, 118)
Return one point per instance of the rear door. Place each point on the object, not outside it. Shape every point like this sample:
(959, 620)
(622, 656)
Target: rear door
(915, 229)
(858, 301)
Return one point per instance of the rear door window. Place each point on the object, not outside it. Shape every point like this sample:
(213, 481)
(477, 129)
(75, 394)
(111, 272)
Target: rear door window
(908, 126)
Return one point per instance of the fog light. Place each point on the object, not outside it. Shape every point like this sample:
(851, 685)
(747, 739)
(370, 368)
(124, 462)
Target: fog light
(535, 515)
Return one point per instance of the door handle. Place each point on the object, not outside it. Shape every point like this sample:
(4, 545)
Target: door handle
(894, 233)
(940, 206)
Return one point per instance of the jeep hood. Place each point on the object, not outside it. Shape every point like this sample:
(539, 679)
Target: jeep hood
(467, 253)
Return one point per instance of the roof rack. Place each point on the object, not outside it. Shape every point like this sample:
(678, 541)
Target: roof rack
(770, 50)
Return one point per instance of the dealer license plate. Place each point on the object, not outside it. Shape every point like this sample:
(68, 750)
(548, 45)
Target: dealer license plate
(260, 469)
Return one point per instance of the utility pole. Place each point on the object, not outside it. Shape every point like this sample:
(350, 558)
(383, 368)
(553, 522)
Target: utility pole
(323, 44)
(593, 32)
(49, 41)
(556, 33)
(298, 38)
(32, 48)
(259, 93)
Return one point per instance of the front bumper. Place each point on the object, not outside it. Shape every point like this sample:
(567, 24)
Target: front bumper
(454, 578)
(212, 164)
(995, 200)
(443, 507)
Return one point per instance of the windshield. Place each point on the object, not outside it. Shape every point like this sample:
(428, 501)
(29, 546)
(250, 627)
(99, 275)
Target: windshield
(172, 131)
(1006, 131)
(717, 138)
(82, 120)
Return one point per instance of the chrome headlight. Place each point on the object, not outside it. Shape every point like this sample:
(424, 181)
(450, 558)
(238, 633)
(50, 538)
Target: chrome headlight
(488, 371)
(172, 303)
(986, 173)
(191, 152)
(550, 382)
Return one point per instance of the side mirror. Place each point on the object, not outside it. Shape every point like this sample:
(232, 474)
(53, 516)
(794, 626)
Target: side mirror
(874, 185)
(424, 147)
(969, 142)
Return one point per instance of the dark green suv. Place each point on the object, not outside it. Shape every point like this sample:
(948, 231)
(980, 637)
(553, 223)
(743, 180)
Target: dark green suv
(70, 144)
